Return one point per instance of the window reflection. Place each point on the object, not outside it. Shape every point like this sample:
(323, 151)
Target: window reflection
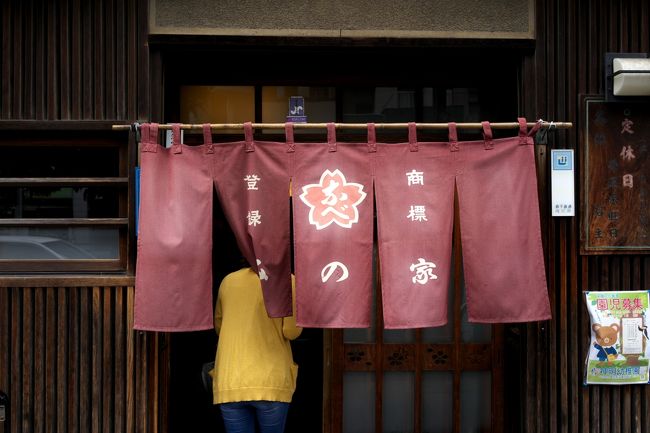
(46, 243)
(437, 403)
(378, 104)
(320, 103)
(217, 104)
(458, 104)
(399, 335)
(59, 202)
(77, 161)
(475, 401)
(359, 401)
(398, 404)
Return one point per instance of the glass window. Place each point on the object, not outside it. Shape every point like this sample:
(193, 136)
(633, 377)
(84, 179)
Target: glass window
(399, 336)
(59, 161)
(359, 398)
(437, 403)
(377, 104)
(398, 402)
(359, 335)
(59, 202)
(46, 243)
(63, 202)
(475, 401)
(217, 104)
(320, 103)
(458, 104)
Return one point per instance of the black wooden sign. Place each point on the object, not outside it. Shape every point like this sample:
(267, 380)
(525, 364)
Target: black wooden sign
(615, 192)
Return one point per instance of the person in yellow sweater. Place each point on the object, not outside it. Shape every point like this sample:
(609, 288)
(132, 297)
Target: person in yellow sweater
(254, 375)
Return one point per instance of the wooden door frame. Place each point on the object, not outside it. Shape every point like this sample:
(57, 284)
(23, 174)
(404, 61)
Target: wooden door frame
(373, 357)
(163, 47)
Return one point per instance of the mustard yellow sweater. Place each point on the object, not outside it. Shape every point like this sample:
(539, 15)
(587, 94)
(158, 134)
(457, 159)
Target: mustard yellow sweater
(254, 360)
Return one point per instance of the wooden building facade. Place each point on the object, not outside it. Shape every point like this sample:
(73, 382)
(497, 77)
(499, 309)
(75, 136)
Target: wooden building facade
(69, 359)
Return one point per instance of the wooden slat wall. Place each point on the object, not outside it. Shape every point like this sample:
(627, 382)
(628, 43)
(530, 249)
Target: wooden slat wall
(70, 361)
(73, 60)
(573, 37)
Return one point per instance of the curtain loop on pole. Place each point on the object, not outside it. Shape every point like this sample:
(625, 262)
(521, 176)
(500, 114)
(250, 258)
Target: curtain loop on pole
(150, 137)
(523, 130)
(144, 133)
(248, 136)
(207, 138)
(413, 137)
(176, 138)
(487, 135)
(288, 132)
(453, 137)
(331, 137)
(372, 138)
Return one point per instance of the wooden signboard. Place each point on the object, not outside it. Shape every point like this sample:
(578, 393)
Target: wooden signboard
(615, 192)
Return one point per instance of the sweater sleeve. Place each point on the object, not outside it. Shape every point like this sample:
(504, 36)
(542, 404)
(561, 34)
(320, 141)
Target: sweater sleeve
(289, 328)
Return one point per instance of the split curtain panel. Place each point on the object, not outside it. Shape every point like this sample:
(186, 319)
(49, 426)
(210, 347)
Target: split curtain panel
(335, 186)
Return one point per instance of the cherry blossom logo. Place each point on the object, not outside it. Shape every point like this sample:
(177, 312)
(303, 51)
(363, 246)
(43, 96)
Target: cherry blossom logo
(333, 200)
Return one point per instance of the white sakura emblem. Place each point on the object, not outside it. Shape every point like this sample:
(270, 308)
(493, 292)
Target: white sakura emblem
(333, 200)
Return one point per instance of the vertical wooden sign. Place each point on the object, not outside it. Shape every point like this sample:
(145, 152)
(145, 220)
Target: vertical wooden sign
(615, 190)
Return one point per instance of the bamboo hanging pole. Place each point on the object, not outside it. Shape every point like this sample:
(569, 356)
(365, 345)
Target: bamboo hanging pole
(439, 126)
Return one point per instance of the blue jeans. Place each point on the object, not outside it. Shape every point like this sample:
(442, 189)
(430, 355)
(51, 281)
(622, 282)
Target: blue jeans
(241, 416)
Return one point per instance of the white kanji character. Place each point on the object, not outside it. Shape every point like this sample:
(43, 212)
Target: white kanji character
(417, 213)
(423, 271)
(628, 181)
(627, 153)
(627, 126)
(415, 177)
(254, 218)
(251, 181)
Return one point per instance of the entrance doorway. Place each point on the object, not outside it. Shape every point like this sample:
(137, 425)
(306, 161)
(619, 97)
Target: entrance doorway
(447, 379)
(190, 406)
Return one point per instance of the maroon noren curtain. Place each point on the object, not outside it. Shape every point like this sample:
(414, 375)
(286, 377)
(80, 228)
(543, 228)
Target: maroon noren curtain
(499, 224)
(415, 214)
(333, 229)
(252, 181)
(333, 222)
(174, 266)
(173, 282)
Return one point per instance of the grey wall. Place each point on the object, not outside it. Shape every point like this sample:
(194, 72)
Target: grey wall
(415, 18)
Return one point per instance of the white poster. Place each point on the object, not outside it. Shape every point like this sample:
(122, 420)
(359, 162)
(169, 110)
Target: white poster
(619, 350)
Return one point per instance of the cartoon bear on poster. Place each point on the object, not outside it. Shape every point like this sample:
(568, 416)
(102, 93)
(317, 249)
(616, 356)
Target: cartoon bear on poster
(606, 338)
